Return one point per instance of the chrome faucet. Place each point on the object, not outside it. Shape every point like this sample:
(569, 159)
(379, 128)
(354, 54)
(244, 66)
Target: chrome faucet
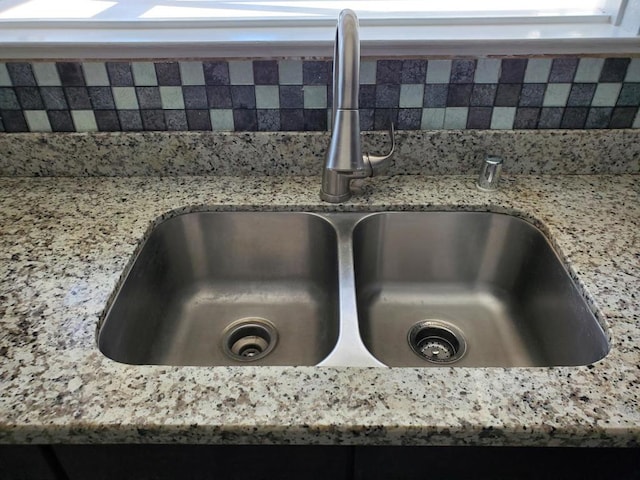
(344, 160)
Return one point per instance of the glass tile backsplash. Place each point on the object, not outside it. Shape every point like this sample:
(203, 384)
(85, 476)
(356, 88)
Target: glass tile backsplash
(295, 95)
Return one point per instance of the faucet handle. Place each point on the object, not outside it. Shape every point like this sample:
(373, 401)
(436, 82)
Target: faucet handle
(377, 164)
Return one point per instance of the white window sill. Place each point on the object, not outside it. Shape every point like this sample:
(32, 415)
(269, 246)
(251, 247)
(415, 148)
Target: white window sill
(179, 40)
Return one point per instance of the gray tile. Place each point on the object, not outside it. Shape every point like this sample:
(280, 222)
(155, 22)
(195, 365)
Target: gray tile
(389, 72)
(168, 74)
(241, 72)
(199, 120)
(526, 118)
(8, 99)
(315, 72)
(172, 99)
(54, 99)
(95, 74)
(61, 121)
(219, 96)
(268, 120)
(383, 117)
(589, 70)
(414, 72)
(487, 70)
(195, 97)
(581, 94)
(387, 96)
(243, 96)
(21, 74)
(432, 118)
(130, 120)
(598, 117)
(629, 95)
(245, 120)
(315, 119)
(107, 120)
(623, 117)
(459, 95)
(574, 117)
(367, 97)
(291, 96)
(483, 95)
(367, 116)
(563, 70)
(101, 98)
(268, 96)
(435, 95)
(556, 95)
(606, 94)
(550, 117)
(13, 121)
(216, 73)
(222, 120)
(633, 71)
(508, 94)
(125, 98)
(176, 120)
(513, 70)
(265, 72)
(5, 80)
(315, 96)
(291, 119)
(411, 95)
(409, 118)
(614, 69)
(191, 73)
(29, 98)
(479, 117)
(290, 73)
(463, 71)
(532, 94)
(78, 98)
(368, 72)
(503, 118)
(120, 74)
(153, 120)
(538, 70)
(149, 98)
(455, 118)
(438, 71)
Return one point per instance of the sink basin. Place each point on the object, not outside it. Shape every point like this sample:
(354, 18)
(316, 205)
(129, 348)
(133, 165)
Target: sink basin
(227, 288)
(402, 289)
(468, 289)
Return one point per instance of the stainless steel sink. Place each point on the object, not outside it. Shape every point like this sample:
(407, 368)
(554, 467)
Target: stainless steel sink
(468, 289)
(349, 289)
(228, 288)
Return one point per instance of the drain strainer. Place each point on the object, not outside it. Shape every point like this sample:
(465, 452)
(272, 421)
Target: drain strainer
(249, 339)
(437, 342)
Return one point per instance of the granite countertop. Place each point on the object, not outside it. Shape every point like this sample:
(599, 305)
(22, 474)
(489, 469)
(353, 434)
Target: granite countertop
(66, 241)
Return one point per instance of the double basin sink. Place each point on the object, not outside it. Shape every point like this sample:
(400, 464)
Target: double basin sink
(398, 289)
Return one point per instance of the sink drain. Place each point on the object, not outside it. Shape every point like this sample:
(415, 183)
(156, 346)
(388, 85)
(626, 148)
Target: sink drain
(437, 342)
(249, 339)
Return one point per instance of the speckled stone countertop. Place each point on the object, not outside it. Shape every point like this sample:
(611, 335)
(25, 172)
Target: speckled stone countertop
(66, 241)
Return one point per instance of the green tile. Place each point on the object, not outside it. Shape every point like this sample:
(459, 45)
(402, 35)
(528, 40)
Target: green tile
(192, 73)
(487, 70)
(84, 120)
(37, 120)
(589, 70)
(315, 96)
(172, 98)
(556, 95)
(222, 120)
(411, 95)
(46, 74)
(438, 71)
(5, 79)
(144, 74)
(125, 98)
(538, 70)
(290, 72)
(368, 72)
(267, 96)
(502, 118)
(95, 74)
(432, 118)
(633, 71)
(241, 72)
(636, 122)
(455, 118)
(606, 95)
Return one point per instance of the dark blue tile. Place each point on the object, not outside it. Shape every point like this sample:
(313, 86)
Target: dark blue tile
(219, 96)
(483, 95)
(149, 99)
(101, 98)
(614, 69)
(459, 95)
(563, 70)
(367, 96)
(195, 97)
(366, 119)
(198, 119)
(21, 75)
(291, 96)
(243, 96)
(8, 99)
(623, 117)
(409, 119)
(168, 74)
(54, 99)
(388, 72)
(245, 120)
(107, 120)
(61, 121)
(120, 74)
(513, 70)
(176, 120)
(14, 121)
(383, 118)
(550, 117)
(153, 120)
(479, 117)
(29, 98)
(526, 118)
(291, 119)
(629, 95)
(315, 119)
(130, 120)
(532, 94)
(598, 117)
(265, 72)
(581, 94)
(78, 98)
(574, 117)
(508, 95)
(315, 72)
(71, 74)
(463, 71)
(216, 73)
(435, 95)
(414, 71)
(269, 120)
(387, 96)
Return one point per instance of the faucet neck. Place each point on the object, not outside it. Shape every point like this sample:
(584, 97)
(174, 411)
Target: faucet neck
(346, 62)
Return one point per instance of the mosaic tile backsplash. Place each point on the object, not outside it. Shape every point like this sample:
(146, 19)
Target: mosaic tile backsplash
(295, 95)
